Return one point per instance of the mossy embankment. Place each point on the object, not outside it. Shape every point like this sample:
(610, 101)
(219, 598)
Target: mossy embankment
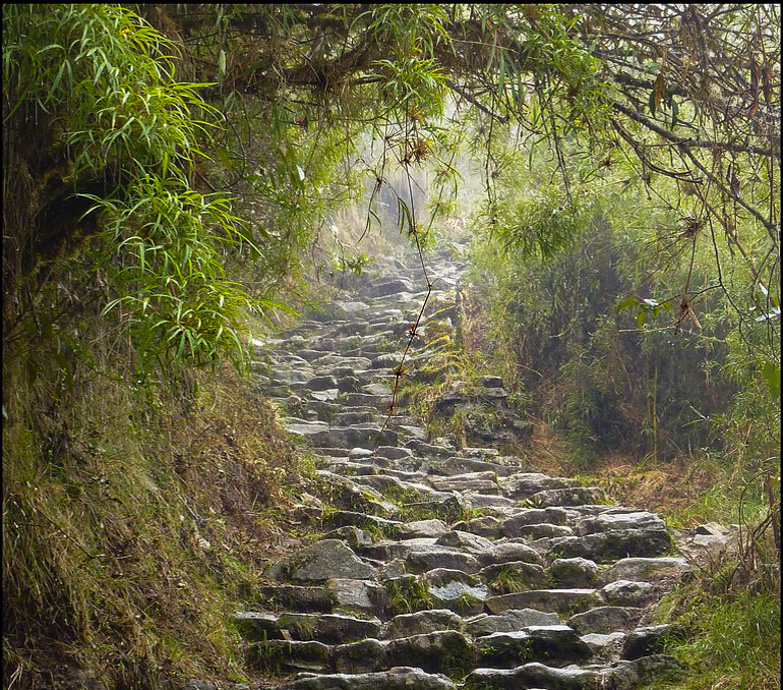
(136, 515)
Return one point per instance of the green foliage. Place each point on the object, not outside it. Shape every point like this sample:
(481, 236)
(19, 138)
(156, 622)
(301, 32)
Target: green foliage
(408, 595)
(509, 580)
(106, 79)
(538, 225)
(732, 639)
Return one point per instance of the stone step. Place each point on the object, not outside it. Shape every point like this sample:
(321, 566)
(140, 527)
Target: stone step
(436, 568)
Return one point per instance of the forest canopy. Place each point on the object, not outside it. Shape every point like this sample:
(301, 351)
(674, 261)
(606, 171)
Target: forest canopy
(127, 134)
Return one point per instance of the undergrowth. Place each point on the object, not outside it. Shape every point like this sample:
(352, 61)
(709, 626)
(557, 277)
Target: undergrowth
(731, 615)
(136, 516)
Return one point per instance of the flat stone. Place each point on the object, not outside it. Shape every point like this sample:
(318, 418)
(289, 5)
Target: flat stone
(553, 642)
(647, 569)
(303, 427)
(609, 546)
(435, 652)
(525, 484)
(533, 675)
(605, 620)
(482, 482)
(622, 521)
(645, 641)
(569, 496)
(532, 516)
(325, 396)
(465, 541)
(573, 572)
(628, 593)
(433, 528)
(326, 559)
(291, 654)
(421, 622)
(326, 628)
(551, 600)
(356, 594)
(393, 452)
(509, 620)
(510, 551)
(441, 557)
(400, 678)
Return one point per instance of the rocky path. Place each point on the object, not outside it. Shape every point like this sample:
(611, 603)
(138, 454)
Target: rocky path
(436, 568)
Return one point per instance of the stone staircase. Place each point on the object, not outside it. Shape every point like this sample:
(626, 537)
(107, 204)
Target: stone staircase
(437, 568)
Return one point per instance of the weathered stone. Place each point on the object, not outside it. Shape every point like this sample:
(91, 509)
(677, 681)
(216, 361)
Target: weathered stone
(532, 516)
(604, 647)
(291, 654)
(573, 572)
(422, 622)
(304, 427)
(509, 620)
(389, 287)
(628, 593)
(456, 465)
(552, 643)
(629, 675)
(351, 494)
(509, 551)
(360, 657)
(532, 675)
(326, 628)
(377, 389)
(401, 678)
(569, 496)
(605, 619)
(289, 376)
(433, 528)
(465, 541)
(445, 651)
(484, 526)
(340, 518)
(393, 452)
(356, 595)
(647, 569)
(296, 597)
(621, 521)
(322, 383)
(353, 536)
(441, 557)
(327, 559)
(645, 641)
(562, 601)
(352, 307)
(608, 546)
(526, 484)
(458, 595)
(485, 482)
(478, 500)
